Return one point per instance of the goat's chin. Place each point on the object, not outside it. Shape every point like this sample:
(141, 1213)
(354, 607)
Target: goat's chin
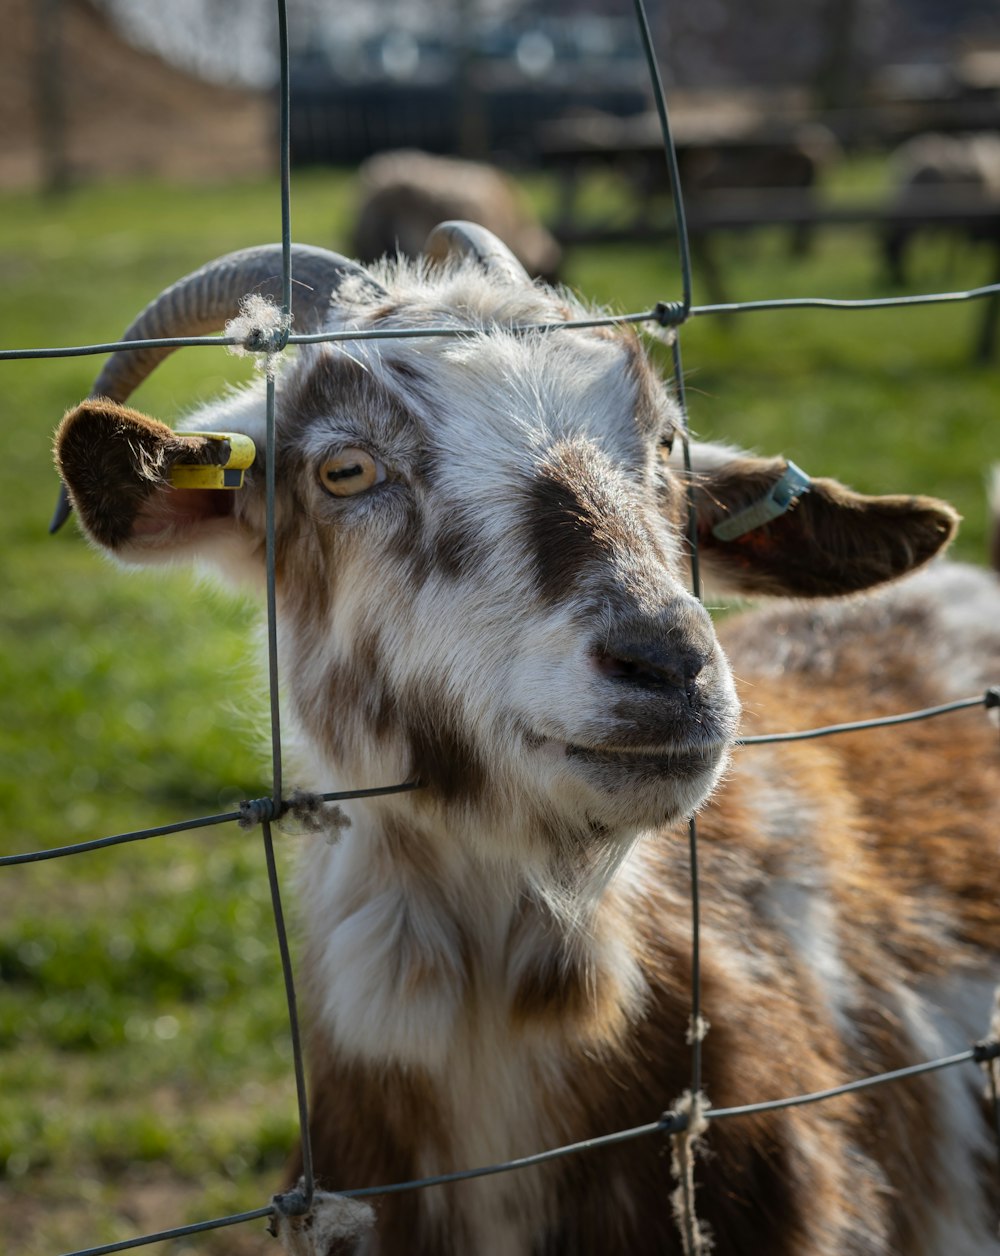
(626, 789)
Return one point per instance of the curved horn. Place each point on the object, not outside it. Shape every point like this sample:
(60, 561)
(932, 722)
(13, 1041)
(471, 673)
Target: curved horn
(469, 239)
(207, 298)
(203, 301)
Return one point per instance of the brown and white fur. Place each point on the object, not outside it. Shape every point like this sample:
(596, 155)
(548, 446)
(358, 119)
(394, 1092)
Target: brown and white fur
(499, 963)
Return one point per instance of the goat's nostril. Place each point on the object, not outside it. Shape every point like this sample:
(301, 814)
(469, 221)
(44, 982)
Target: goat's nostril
(614, 668)
(651, 667)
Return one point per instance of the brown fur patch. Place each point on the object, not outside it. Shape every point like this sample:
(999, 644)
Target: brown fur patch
(565, 538)
(920, 791)
(338, 386)
(443, 758)
(575, 522)
(753, 1187)
(368, 1127)
(896, 1123)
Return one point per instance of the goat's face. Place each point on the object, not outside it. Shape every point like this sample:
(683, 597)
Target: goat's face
(481, 558)
(482, 573)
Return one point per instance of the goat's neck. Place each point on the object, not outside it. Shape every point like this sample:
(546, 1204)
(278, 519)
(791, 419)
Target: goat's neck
(422, 947)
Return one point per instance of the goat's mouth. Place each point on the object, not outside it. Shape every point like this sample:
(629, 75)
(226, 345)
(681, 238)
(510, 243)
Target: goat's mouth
(633, 785)
(678, 762)
(618, 764)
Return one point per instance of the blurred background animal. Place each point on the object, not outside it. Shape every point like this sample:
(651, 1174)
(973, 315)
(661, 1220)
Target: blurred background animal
(403, 195)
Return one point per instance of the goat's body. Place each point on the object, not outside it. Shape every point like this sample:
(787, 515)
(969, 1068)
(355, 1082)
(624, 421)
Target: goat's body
(481, 567)
(849, 914)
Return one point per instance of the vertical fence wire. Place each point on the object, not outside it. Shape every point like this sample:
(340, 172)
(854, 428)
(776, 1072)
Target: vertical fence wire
(683, 1161)
(669, 153)
(300, 1203)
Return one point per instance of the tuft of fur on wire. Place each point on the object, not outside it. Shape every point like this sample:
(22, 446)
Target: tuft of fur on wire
(314, 815)
(695, 1235)
(334, 1226)
(260, 328)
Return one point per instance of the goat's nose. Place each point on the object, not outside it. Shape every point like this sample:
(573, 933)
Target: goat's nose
(666, 653)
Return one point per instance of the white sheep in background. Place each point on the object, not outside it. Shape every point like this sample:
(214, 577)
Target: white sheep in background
(967, 165)
(404, 194)
(482, 571)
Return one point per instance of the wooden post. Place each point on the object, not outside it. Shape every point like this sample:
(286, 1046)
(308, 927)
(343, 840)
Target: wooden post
(50, 99)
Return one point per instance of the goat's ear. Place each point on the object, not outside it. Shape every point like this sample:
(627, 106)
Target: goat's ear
(828, 541)
(116, 464)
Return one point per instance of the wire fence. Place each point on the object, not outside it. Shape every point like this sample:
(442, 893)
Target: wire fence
(265, 811)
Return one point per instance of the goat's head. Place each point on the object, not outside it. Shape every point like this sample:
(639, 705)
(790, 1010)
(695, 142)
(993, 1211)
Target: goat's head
(481, 543)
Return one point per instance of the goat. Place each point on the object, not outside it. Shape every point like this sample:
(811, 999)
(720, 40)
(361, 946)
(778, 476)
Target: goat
(405, 193)
(481, 567)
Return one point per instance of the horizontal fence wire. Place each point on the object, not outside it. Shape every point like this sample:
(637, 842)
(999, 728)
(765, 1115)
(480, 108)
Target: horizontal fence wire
(668, 314)
(665, 313)
(177, 1232)
(675, 1122)
(990, 700)
(255, 810)
(668, 1123)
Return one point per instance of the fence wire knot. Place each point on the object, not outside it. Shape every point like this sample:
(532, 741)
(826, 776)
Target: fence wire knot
(261, 330)
(987, 1051)
(987, 1056)
(991, 703)
(312, 811)
(670, 313)
(325, 1225)
(254, 811)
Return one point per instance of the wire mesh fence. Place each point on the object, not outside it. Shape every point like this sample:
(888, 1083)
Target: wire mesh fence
(264, 812)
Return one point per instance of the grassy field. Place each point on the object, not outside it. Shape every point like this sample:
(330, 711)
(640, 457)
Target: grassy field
(144, 1060)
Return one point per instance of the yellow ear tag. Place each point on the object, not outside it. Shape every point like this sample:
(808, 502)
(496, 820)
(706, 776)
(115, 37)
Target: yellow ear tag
(231, 454)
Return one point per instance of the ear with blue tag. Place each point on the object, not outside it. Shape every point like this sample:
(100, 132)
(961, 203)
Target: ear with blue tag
(766, 527)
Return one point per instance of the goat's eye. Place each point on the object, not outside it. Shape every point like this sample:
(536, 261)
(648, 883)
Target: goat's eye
(351, 471)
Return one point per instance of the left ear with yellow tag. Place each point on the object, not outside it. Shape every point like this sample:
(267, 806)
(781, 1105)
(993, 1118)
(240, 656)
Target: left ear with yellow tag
(224, 460)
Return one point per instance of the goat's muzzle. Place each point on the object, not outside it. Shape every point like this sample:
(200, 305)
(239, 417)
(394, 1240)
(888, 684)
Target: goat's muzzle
(664, 714)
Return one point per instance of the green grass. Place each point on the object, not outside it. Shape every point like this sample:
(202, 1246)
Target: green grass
(144, 1061)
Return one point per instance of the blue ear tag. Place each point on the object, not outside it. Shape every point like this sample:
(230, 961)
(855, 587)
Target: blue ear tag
(781, 496)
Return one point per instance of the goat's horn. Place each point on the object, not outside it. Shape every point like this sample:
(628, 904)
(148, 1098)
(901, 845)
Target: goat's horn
(469, 239)
(203, 301)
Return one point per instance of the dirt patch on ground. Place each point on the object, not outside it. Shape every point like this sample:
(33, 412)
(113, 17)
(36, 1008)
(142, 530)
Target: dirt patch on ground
(124, 112)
